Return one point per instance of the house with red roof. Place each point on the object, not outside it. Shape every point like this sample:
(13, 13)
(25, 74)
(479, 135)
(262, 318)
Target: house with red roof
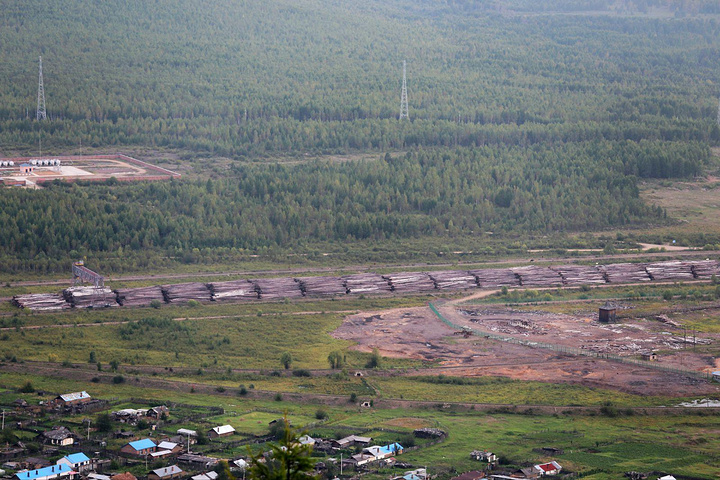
(548, 469)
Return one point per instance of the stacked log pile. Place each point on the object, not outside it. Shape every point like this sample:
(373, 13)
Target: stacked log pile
(90, 297)
(495, 277)
(135, 297)
(271, 288)
(453, 279)
(625, 272)
(41, 301)
(233, 291)
(670, 271)
(410, 282)
(533, 276)
(366, 283)
(580, 275)
(184, 292)
(705, 269)
(322, 286)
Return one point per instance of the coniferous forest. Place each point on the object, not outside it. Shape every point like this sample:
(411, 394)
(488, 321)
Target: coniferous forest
(526, 118)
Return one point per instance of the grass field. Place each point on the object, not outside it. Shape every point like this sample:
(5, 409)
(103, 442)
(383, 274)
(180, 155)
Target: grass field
(607, 445)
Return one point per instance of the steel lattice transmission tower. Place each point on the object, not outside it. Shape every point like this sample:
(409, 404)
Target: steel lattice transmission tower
(404, 113)
(41, 114)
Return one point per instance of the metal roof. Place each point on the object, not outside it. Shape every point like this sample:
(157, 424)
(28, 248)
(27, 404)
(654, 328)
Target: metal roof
(142, 444)
(44, 472)
(168, 471)
(167, 445)
(222, 429)
(77, 458)
(69, 397)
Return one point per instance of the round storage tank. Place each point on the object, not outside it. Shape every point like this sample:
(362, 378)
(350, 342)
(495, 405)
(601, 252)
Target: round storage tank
(12, 164)
(33, 162)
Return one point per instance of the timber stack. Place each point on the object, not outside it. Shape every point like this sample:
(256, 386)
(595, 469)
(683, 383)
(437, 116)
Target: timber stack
(495, 277)
(184, 292)
(533, 276)
(705, 269)
(625, 272)
(670, 271)
(90, 297)
(233, 291)
(453, 280)
(321, 286)
(366, 283)
(270, 288)
(136, 297)
(410, 282)
(41, 301)
(576, 275)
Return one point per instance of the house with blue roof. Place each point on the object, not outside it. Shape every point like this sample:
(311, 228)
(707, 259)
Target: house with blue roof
(53, 472)
(390, 450)
(77, 461)
(139, 447)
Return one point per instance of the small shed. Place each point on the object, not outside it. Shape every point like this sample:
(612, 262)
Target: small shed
(649, 356)
(26, 168)
(607, 313)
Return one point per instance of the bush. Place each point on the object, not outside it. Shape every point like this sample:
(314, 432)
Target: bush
(301, 372)
(156, 304)
(193, 303)
(27, 388)
(321, 414)
(220, 389)
(117, 379)
(278, 397)
(667, 295)
(353, 397)
(243, 390)
(95, 380)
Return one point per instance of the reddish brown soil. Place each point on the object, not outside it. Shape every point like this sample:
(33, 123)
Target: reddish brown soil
(416, 333)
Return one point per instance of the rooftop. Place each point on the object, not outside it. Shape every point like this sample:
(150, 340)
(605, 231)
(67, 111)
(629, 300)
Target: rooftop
(43, 472)
(142, 444)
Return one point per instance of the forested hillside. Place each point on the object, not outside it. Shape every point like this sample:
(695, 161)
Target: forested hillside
(523, 118)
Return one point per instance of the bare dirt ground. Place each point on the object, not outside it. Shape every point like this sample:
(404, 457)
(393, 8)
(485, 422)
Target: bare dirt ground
(416, 333)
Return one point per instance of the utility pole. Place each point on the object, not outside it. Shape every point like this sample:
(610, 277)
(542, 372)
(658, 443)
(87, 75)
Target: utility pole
(404, 113)
(41, 113)
(3, 419)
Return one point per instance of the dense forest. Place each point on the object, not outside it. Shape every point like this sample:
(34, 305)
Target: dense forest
(525, 116)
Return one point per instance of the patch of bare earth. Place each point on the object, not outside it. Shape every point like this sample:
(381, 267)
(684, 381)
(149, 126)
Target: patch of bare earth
(416, 333)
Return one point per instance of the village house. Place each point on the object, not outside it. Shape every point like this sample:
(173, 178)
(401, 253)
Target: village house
(139, 447)
(124, 476)
(221, 431)
(206, 476)
(172, 447)
(53, 472)
(61, 436)
(547, 469)
(166, 473)
(70, 399)
(475, 475)
(351, 441)
(77, 461)
(158, 412)
(306, 440)
(417, 474)
(197, 462)
(483, 456)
